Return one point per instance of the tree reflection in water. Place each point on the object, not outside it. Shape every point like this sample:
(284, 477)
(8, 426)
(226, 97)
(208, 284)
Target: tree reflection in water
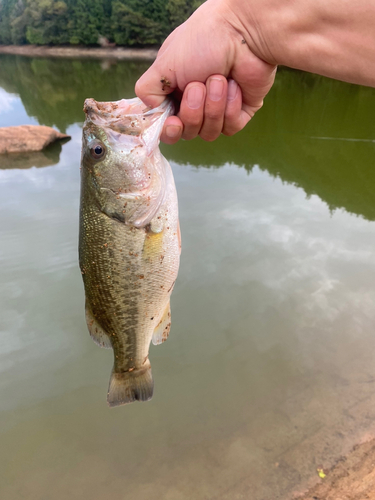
(312, 132)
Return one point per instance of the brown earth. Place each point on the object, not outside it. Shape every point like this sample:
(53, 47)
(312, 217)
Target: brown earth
(25, 138)
(95, 52)
(351, 478)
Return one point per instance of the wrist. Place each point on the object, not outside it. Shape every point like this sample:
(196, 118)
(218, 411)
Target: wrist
(259, 23)
(333, 39)
(281, 31)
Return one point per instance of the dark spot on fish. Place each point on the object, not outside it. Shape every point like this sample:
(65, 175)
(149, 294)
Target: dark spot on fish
(152, 318)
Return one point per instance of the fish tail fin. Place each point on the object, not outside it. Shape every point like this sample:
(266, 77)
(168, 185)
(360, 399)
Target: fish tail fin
(127, 387)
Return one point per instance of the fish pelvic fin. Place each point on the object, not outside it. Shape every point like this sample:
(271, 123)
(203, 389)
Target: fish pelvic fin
(130, 386)
(97, 333)
(161, 332)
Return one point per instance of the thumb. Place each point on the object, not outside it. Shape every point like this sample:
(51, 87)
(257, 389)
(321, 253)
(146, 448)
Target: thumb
(154, 85)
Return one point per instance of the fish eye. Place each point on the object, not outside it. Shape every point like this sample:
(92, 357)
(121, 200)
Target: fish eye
(97, 151)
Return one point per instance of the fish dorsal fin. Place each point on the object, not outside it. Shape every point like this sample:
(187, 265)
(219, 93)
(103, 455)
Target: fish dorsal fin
(161, 332)
(97, 333)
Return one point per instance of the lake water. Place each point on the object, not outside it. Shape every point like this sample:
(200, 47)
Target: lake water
(269, 370)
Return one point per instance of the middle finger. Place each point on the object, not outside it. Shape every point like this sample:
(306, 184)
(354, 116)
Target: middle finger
(214, 109)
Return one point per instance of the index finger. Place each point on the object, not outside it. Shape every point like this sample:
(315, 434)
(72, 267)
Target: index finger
(156, 83)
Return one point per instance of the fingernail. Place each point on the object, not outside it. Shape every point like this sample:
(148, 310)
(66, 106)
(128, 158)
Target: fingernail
(215, 89)
(232, 90)
(195, 97)
(173, 131)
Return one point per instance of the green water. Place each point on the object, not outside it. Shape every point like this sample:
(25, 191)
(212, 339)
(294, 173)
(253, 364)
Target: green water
(269, 371)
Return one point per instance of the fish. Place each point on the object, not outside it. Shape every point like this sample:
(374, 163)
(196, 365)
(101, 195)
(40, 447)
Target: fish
(129, 238)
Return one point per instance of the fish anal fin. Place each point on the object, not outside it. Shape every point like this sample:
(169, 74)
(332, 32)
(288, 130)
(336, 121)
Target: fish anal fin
(130, 386)
(161, 332)
(97, 333)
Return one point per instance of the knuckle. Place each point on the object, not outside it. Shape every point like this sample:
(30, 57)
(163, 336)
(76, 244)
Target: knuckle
(230, 129)
(229, 133)
(137, 87)
(193, 121)
(213, 114)
(189, 137)
(209, 137)
(190, 132)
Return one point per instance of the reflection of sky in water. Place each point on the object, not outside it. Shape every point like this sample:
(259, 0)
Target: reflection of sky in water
(312, 267)
(34, 211)
(254, 249)
(12, 111)
(6, 101)
(272, 340)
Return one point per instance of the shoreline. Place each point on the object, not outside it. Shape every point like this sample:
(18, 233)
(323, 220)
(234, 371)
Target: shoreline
(119, 53)
(352, 476)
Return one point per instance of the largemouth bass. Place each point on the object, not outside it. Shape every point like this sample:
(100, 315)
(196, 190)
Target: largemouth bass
(129, 241)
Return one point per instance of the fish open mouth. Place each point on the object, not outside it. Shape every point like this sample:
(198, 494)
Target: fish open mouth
(127, 116)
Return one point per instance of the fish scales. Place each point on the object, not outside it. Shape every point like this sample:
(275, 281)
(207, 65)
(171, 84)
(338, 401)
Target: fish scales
(129, 244)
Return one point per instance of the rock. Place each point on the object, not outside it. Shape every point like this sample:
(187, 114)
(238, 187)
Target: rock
(25, 138)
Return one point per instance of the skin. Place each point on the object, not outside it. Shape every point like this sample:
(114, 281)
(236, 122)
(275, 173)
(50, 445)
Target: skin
(221, 63)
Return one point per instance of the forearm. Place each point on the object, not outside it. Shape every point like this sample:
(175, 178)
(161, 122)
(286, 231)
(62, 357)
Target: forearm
(237, 44)
(335, 38)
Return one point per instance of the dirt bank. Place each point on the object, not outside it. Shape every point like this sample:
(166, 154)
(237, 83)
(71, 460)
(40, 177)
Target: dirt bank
(352, 478)
(95, 52)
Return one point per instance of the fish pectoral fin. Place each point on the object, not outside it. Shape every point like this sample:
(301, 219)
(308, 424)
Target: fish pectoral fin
(161, 332)
(97, 333)
(130, 386)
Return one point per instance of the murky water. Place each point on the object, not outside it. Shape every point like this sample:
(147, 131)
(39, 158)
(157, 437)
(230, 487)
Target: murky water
(269, 370)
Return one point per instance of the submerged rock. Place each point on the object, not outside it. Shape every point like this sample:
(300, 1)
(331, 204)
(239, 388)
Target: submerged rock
(46, 158)
(25, 138)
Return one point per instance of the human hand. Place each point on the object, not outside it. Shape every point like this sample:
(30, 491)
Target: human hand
(213, 73)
